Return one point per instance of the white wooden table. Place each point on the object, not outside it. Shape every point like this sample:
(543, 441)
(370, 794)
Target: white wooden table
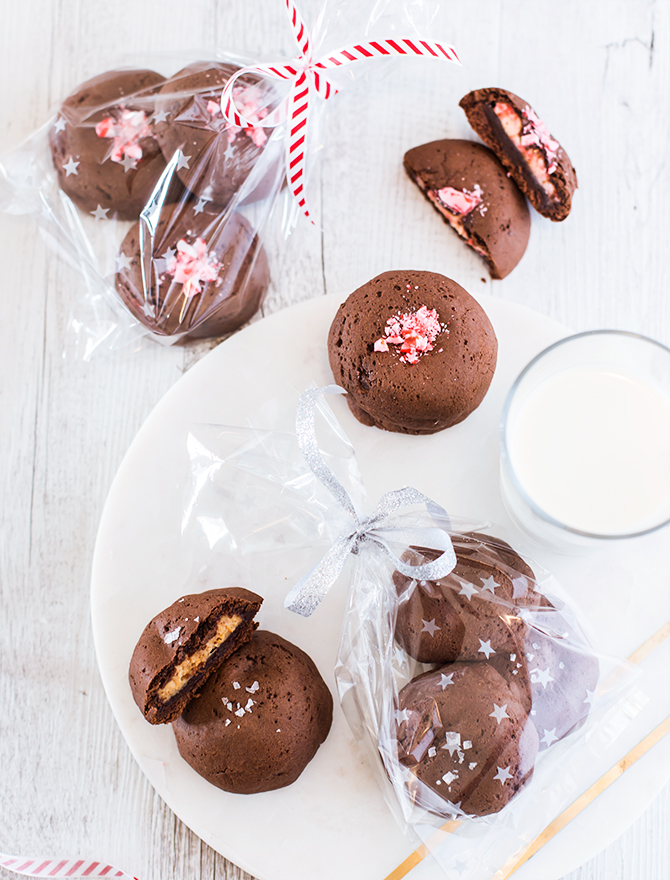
(598, 72)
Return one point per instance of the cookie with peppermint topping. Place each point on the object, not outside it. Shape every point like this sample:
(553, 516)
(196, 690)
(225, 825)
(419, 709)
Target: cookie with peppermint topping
(103, 147)
(194, 276)
(214, 158)
(534, 158)
(414, 351)
(469, 187)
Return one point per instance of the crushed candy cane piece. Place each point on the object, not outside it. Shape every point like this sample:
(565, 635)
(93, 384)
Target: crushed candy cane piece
(247, 102)
(528, 131)
(458, 201)
(535, 133)
(126, 132)
(191, 265)
(414, 332)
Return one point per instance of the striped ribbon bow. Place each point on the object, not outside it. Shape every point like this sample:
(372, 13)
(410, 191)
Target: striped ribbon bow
(36, 867)
(308, 76)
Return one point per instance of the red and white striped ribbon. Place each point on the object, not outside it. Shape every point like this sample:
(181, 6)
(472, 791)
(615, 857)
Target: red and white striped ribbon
(34, 867)
(308, 75)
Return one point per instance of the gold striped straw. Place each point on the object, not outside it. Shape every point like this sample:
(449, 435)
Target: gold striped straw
(584, 800)
(419, 854)
(651, 643)
(575, 808)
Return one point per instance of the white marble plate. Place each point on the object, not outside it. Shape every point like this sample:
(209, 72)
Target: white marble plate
(333, 822)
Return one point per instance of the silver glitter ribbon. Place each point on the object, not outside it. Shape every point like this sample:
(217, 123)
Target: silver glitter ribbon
(313, 586)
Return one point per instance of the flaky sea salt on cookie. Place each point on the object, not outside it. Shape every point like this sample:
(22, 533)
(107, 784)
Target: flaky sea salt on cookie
(184, 644)
(465, 735)
(259, 720)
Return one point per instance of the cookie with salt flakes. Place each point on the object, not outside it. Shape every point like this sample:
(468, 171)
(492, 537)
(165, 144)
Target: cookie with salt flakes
(259, 720)
(563, 675)
(462, 733)
(475, 613)
(183, 644)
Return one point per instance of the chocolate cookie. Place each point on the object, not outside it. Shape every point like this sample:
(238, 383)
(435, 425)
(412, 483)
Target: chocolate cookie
(536, 161)
(197, 276)
(463, 733)
(103, 146)
(472, 614)
(469, 187)
(259, 720)
(415, 352)
(563, 675)
(183, 644)
(215, 157)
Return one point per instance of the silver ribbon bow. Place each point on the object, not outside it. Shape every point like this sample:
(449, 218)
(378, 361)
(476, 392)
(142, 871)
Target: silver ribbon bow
(313, 586)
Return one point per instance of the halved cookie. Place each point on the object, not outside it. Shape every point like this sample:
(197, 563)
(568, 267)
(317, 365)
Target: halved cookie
(184, 644)
(536, 161)
(465, 182)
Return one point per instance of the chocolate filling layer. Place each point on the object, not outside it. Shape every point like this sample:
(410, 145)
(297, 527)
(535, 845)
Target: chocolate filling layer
(520, 156)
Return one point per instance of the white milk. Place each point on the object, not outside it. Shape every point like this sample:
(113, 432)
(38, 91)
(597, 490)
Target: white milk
(591, 447)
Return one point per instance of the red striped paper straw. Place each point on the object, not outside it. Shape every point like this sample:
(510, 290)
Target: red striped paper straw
(41, 867)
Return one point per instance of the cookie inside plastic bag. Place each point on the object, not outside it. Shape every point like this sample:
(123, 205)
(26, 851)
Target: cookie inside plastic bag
(462, 669)
(475, 692)
(511, 676)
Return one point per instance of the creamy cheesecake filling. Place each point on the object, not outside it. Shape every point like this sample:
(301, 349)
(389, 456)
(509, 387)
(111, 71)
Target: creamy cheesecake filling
(189, 665)
(531, 138)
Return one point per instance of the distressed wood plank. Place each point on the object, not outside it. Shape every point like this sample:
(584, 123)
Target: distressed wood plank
(599, 73)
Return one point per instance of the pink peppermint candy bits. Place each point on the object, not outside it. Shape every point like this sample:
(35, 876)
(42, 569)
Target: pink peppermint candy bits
(192, 265)
(126, 132)
(413, 332)
(528, 131)
(246, 99)
(458, 201)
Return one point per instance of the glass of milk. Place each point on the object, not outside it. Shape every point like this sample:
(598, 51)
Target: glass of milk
(585, 441)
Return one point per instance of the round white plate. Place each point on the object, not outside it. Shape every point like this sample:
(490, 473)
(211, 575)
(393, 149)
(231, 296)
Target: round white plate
(333, 822)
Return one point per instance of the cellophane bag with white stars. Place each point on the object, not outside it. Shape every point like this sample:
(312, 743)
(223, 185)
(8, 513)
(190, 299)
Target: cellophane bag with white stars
(462, 669)
(157, 201)
(478, 695)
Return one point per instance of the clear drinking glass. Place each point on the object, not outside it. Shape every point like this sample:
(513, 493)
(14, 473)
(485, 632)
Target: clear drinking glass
(585, 441)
